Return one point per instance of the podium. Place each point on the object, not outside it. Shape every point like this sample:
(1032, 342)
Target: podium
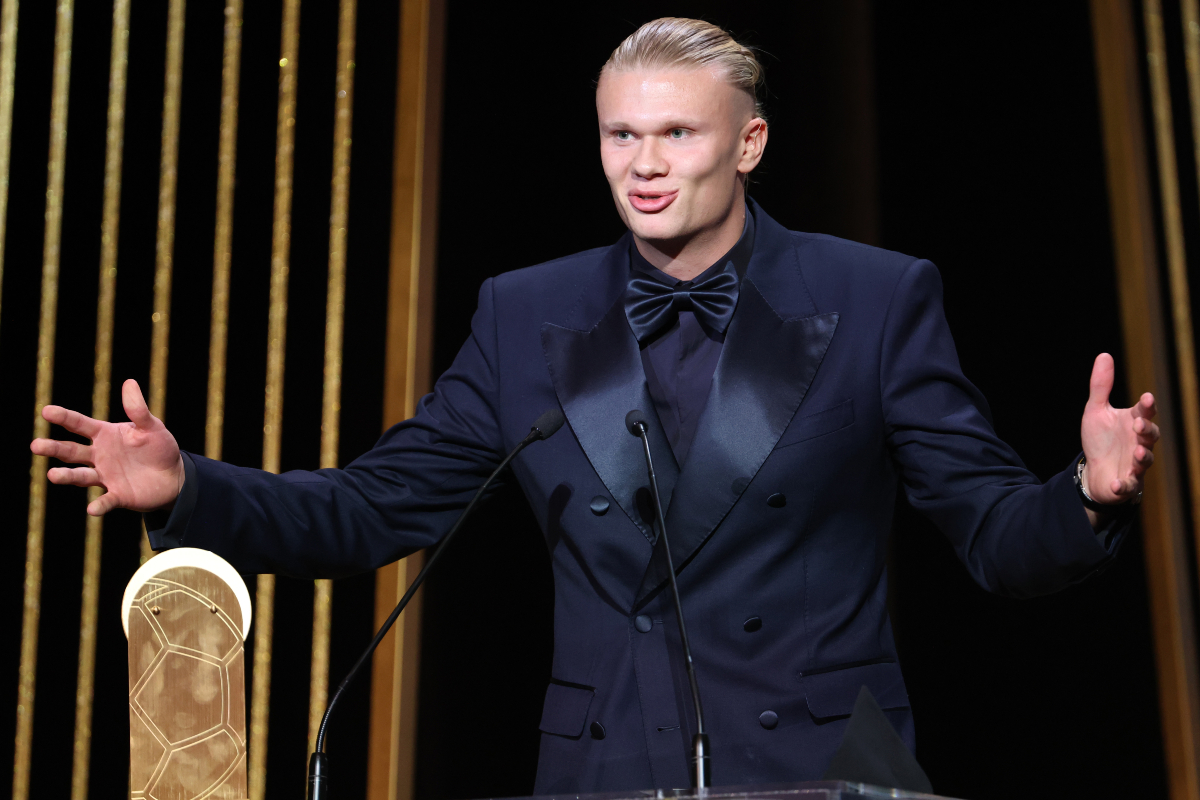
(809, 790)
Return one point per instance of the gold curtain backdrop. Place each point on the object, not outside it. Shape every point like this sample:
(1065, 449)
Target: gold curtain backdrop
(214, 164)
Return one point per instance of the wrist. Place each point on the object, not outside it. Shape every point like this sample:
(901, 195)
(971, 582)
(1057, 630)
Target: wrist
(1091, 503)
(180, 480)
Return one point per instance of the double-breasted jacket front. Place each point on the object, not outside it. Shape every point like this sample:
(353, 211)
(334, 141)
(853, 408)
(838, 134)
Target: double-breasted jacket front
(838, 385)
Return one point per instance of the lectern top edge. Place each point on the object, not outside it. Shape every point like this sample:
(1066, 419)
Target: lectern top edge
(810, 790)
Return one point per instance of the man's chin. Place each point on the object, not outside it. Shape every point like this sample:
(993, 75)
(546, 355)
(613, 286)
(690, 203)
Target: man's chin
(652, 228)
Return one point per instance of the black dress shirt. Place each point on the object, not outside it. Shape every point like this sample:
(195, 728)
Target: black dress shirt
(680, 360)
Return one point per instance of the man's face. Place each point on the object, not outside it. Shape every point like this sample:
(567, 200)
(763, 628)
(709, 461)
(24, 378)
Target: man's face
(674, 144)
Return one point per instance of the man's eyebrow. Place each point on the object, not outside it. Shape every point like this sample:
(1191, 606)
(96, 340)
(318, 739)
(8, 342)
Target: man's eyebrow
(669, 124)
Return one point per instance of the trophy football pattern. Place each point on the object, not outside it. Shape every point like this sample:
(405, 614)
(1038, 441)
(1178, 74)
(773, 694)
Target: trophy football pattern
(187, 706)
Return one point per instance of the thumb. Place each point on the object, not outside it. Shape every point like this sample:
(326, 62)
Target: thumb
(1102, 380)
(135, 404)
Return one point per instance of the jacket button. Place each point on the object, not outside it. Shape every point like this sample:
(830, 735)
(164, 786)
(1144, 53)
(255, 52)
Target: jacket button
(597, 730)
(768, 719)
(643, 623)
(599, 505)
(753, 624)
(777, 500)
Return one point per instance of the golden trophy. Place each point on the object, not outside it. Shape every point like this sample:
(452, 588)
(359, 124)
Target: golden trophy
(186, 614)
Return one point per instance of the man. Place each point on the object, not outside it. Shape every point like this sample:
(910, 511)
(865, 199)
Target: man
(793, 382)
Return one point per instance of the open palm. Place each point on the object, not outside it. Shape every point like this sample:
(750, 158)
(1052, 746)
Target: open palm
(1118, 442)
(137, 462)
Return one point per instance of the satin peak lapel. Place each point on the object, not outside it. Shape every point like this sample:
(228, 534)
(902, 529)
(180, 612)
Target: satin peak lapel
(766, 367)
(598, 378)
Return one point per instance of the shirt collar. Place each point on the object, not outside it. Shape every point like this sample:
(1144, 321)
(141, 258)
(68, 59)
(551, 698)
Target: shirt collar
(739, 254)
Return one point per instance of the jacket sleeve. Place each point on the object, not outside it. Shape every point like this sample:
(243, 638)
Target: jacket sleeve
(1016, 535)
(399, 497)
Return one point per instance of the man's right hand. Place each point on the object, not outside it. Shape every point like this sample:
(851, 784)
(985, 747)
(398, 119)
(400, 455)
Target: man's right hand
(138, 462)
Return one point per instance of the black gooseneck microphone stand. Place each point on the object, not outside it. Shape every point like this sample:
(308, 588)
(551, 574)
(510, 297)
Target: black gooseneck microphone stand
(701, 762)
(318, 765)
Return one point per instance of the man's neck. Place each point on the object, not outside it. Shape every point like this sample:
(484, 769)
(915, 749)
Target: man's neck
(683, 261)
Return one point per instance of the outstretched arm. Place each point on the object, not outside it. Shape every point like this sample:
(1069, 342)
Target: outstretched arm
(402, 495)
(137, 462)
(1118, 443)
(1016, 535)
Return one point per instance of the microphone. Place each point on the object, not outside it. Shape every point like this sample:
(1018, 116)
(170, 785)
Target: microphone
(543, 427)
(547, 424)
(635, 422)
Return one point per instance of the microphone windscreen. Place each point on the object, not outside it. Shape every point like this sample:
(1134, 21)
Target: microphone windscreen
(633, 419)
(548, 423)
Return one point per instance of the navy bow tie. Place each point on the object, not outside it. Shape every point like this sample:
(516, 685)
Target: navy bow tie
(652, 306)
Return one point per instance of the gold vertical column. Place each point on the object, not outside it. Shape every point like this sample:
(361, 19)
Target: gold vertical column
(214, 423)
(273, 411)
(335, 308)
(101, 387)
(164, 254)
(8, 68)
(47, 323)
(408, 373)
(1181, 307)
(1164, 527)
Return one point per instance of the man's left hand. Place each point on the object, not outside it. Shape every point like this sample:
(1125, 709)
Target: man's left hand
(1118, 442)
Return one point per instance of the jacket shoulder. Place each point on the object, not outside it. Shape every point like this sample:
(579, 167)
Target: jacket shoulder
(557, 273)
(844, 273)
(556, 291)
(847, 253)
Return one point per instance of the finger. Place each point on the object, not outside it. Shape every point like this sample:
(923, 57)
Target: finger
(1125, 488)
(135, 404)
(1142, 459)
(71, 420)
(1146, 407)
(1102, 380)
(71, 452)
(1147, 432)
(77, 476)
(102, 505)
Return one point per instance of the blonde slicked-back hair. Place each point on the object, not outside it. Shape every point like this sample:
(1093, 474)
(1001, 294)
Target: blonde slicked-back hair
(680, 42)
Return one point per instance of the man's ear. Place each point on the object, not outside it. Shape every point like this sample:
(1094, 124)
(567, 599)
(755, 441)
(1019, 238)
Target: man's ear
(754, 142)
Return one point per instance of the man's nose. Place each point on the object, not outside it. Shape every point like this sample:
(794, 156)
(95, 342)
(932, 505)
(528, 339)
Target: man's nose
(649, 162)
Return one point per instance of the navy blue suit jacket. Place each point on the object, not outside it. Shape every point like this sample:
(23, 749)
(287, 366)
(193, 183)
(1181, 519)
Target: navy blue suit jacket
(838, 386)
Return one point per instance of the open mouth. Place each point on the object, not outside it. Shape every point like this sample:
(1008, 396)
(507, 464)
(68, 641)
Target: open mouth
(651, 202)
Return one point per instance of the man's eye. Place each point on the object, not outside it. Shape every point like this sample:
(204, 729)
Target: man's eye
(678, 133)
(624, 136)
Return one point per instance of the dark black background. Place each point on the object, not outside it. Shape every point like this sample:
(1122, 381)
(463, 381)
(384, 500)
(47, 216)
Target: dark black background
(965, 133)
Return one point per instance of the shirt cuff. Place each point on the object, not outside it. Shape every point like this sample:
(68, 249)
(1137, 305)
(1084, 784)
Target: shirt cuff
(166, 529)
